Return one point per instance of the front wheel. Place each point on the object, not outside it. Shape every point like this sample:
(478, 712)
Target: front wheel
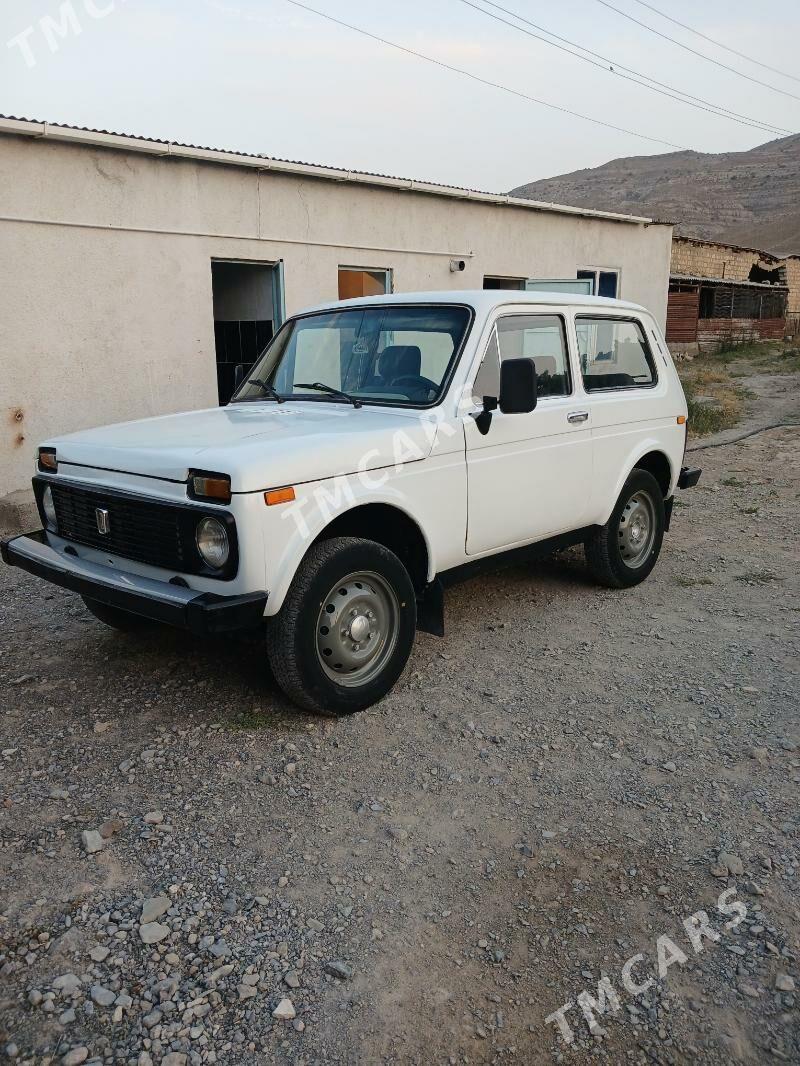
(624, 551)
(345, 631)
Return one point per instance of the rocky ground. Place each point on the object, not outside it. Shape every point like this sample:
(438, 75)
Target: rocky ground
(194, 872)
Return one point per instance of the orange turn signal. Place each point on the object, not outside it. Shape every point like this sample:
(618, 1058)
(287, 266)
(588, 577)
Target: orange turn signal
(681, 419)
(211, 487)
(47, 459)
(284, 495)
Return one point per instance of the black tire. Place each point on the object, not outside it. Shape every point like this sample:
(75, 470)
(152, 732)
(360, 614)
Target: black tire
(605, 547)
(292, 635)
(115, 617)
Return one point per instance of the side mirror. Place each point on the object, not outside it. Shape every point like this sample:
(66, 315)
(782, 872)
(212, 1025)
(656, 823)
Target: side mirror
(517, 386)
(239, 372)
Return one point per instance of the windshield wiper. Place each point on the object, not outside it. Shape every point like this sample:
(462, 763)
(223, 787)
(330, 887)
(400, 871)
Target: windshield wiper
(268, 389)
(330, 390)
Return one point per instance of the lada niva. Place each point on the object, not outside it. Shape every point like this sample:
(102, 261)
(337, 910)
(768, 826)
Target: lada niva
(377, 450)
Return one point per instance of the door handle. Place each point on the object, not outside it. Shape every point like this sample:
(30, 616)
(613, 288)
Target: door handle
(578, 416)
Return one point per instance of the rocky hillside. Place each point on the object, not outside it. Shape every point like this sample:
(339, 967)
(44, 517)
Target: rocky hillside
(750, 198)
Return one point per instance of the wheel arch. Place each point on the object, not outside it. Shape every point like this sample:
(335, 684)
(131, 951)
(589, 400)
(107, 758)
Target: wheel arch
(652, 457)
(390, 526)
(656, 463)
(387, 523)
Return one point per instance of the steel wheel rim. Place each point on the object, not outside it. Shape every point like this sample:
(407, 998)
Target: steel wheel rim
(357, 628)
(637, 529)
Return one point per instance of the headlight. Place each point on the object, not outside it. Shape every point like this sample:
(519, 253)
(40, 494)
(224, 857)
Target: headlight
(49, 508)
(212, 542)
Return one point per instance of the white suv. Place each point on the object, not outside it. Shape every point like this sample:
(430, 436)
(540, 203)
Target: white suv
(377, 450)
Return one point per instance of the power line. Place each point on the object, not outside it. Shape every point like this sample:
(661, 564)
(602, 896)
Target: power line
(612, 67)
(719, 44)
(616, 67)
(694, 52)
(486, 81)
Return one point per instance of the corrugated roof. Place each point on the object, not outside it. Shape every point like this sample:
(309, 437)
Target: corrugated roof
(10, 124)
(226, 151)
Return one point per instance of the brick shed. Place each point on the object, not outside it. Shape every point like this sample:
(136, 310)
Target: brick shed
(723, 292)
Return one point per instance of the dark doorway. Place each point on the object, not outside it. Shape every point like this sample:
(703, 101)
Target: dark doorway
(492, 282)
(246, 314)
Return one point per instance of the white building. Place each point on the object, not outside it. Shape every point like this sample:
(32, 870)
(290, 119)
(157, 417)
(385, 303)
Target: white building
(135, 274)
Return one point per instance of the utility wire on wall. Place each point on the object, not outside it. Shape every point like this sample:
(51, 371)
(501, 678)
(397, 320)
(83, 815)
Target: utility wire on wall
(485, 81)
(612, 67)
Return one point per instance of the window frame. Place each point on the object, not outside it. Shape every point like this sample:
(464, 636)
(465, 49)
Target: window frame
(596, 271)
(494, 334)
(388, 273)
(651, 361)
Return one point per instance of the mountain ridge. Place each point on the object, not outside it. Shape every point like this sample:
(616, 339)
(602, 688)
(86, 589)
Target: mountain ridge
(749, 198)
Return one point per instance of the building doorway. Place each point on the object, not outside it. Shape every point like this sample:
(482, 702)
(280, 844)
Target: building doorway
(581, 286)
(248, 309)
(492, 281)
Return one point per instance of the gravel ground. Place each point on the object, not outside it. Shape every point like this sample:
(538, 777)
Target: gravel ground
(550, 790)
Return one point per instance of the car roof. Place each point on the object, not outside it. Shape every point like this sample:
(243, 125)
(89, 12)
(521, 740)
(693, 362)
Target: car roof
(485, 300)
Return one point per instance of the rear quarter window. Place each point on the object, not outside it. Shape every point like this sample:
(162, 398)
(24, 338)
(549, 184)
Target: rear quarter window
(614, 354)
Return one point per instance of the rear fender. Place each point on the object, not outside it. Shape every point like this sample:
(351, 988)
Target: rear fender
(643, 447)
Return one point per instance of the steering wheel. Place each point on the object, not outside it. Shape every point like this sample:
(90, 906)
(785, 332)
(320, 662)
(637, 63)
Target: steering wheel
(417, 381)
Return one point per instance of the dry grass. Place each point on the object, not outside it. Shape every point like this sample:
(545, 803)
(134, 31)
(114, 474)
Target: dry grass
(726, 401)
(712, 383)
(768, 357)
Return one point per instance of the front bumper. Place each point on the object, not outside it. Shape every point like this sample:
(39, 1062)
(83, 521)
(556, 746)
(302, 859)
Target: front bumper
(162, 601)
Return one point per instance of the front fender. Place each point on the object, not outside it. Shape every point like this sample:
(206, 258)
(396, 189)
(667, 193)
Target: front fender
(294, 527)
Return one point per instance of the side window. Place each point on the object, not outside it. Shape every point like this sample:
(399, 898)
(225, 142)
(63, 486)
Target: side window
(614, 354)
(543, 339)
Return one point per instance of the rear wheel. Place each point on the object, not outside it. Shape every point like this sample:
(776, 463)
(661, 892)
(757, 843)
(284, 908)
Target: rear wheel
(624, 551)
(346, 628)
(116, 617)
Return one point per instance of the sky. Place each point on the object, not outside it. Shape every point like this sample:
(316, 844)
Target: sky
(266, 76)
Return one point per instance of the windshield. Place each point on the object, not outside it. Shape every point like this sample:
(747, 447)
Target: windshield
(388, 355)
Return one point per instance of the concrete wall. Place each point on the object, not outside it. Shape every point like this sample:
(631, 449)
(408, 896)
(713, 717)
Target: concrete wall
(105, 276)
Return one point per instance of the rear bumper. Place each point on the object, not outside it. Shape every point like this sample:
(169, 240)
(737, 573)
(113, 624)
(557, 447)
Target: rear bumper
(689, 476)
(161, 601)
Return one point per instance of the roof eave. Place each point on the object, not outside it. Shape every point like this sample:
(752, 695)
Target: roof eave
(175, 149)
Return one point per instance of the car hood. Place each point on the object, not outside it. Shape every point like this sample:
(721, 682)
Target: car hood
(260, 445)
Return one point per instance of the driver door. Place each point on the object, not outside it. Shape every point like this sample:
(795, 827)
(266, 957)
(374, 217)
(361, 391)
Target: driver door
(529, 477)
